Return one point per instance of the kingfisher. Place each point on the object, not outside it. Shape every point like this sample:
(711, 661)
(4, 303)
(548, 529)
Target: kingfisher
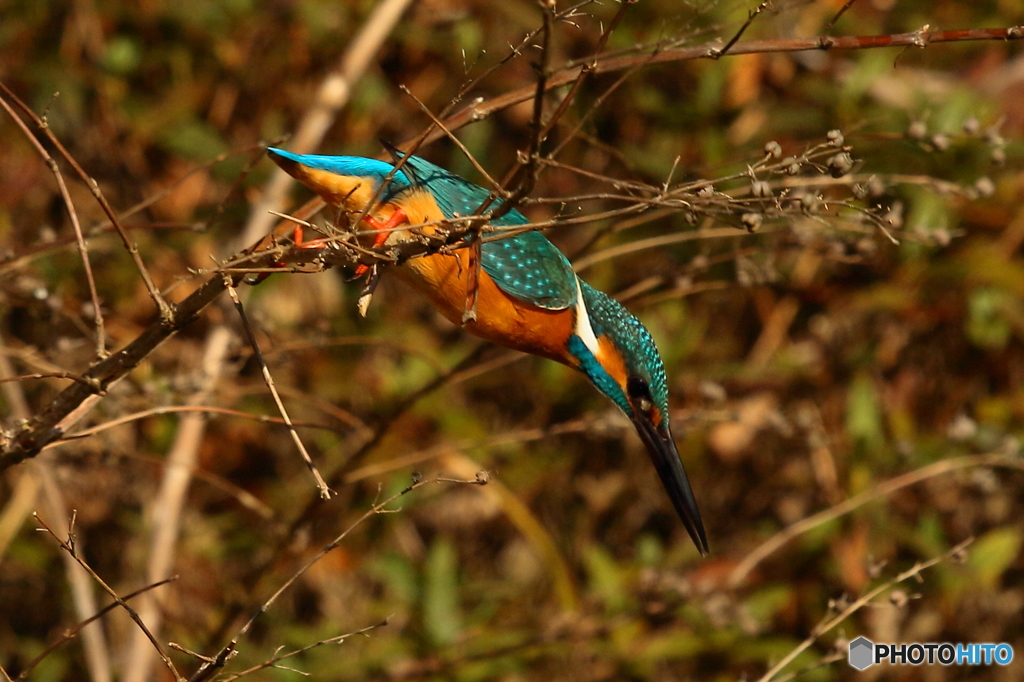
(527, 295)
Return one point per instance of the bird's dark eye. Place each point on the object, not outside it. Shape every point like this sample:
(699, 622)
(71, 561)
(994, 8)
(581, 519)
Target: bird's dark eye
(639, 393)
(637, 388)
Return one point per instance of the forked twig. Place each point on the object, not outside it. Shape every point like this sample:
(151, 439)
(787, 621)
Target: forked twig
(83, 249)
(215, 663)
(70, 634)
(68, 546)
(166, 310)
(169, 504)
(830, 623)
(565, 76)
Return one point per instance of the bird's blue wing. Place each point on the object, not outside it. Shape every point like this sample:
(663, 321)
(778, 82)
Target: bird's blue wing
(532, 269)
(527, 266)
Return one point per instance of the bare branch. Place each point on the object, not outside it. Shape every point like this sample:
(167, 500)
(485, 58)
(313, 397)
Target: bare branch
(481, 110)
(68, 546)
(217, 662)
(743, 568)
(166, 311)
(70, 634)
(69, 205)
(272, 662)
(325, 492)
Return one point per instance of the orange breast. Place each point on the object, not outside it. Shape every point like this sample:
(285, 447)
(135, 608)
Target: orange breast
(501, 319)
(444, 278)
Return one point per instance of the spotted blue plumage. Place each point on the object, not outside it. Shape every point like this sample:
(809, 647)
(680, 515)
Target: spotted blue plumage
(526, 266)
(635, 344)
(529, 268)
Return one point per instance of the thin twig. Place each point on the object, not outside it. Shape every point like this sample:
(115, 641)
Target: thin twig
(660, 241)
(753, 14)
(51, 375)
(272, 662)
(526, 169)
(828, 624)
(336, 480)
(70, 634)
(842, 10)
(325, 492)
(166, 310)
(172, 409)
(68, 546)
(217, 662)
(742, 569)
(481, 110)
(69, 205)
(168, 506)
(40, 478)
(491, 182)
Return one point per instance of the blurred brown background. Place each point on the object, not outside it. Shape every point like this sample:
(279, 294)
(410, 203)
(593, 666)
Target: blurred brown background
(808, 364)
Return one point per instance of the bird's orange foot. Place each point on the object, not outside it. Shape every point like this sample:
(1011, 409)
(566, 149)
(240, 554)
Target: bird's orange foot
(383, 231)
(271, 241)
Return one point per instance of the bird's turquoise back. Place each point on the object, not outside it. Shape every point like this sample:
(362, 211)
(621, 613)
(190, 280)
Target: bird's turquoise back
(605, 341)
(526, 266)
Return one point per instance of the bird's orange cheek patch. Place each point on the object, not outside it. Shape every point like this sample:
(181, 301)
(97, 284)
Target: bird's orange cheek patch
(611, 360)
(656, 417)
(336, 189)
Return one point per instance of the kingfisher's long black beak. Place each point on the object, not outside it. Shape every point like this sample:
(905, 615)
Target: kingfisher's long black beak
(665, 456)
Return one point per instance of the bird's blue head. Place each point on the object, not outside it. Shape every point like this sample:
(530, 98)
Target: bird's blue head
(618, 354)
(348, 181)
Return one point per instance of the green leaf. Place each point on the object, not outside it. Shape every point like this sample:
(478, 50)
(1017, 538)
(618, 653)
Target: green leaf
(606, 579)
(987, 326)
(993, 553)
(122, 55)
(863, 414)
(442, 618)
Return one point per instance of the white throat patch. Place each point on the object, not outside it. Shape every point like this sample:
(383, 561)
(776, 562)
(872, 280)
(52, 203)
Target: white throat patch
(582, 327)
